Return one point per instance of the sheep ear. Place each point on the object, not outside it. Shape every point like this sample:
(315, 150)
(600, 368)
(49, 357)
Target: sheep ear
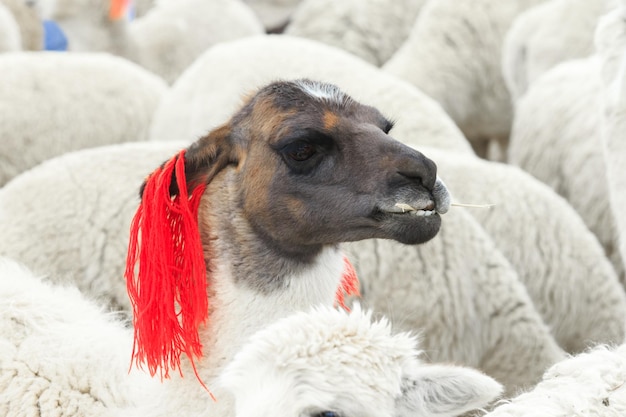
(208, 156)
(441, 391)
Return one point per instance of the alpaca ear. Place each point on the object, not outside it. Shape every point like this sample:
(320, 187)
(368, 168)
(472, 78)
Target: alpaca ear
(208, 156)
(205, 158)
(442, 391)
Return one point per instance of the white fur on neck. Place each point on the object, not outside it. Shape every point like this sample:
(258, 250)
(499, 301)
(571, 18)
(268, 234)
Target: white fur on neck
(237, 312)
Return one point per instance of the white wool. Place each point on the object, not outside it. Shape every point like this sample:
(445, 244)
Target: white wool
(590, 384)
(348, 364)
(546, 35)
(453, 54)
(60, 354)
(561, 263)
(53, 103)
(370, 29)
(79, 207)
(175, 32)
(216, 83)
(556, 137)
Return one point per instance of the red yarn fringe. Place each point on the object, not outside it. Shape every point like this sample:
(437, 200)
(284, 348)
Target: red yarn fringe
(349, 285)
(166, 273)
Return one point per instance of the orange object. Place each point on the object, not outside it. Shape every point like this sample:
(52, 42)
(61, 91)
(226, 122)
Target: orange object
(118, 9)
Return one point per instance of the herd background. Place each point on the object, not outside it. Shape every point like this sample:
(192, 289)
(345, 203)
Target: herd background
(520, 103)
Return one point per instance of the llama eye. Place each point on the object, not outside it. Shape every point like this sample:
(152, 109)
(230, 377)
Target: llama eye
(300, 151)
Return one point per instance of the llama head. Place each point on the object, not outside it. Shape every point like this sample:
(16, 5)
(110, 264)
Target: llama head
(315, 167)
(328, 363)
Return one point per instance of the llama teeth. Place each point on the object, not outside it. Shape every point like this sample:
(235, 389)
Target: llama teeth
(404, 207)
(423, 213)
(413, 211)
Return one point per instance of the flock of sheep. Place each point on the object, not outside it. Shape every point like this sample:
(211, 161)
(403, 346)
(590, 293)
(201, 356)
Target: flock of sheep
(516, 307)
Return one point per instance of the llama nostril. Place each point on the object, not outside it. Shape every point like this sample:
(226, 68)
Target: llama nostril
(419, 169)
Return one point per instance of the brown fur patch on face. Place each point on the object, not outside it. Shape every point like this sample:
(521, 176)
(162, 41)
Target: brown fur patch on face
(268, 121)
(330, 120)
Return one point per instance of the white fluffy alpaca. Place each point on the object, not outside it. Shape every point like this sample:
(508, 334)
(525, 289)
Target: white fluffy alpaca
(331, 363)
(370, 29)
(53, 103)
(453, 54)
(591, 384)
(545, 35)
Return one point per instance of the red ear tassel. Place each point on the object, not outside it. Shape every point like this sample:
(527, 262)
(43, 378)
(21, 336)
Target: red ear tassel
(168, 287)
(349, 285)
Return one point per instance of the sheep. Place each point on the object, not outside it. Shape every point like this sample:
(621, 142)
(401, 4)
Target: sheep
(62, 355)
(240, 66)
(165, 40)
(328, 362)
(546, 35)
(589, 384)
(372, 30)
(10, 38)
(80, 231)
(53, 103)
(610, 43)
(453, 54)
(276, 193)
(172, 34)
(558, 141)
(213, 82)
(569, 279)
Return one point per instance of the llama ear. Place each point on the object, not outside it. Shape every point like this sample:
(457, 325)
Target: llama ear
(205, 158)
(208, 156)
(442, 391)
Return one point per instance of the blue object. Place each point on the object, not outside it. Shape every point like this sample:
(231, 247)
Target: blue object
(53, 37)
